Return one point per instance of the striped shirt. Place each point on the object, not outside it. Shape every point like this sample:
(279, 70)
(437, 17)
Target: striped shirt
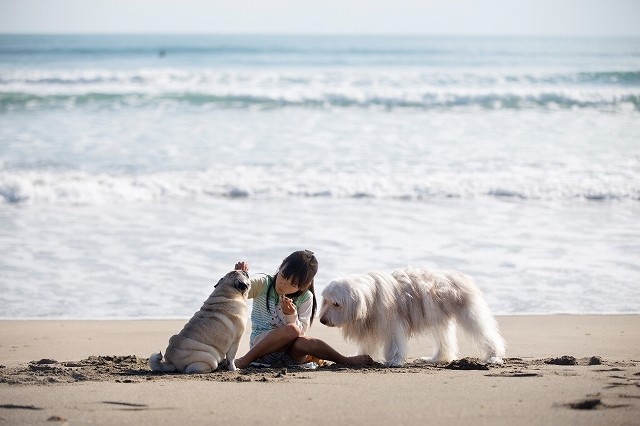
(264, 320)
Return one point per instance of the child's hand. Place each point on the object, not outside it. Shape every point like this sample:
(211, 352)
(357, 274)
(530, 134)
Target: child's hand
(242, 266)
(288, 307)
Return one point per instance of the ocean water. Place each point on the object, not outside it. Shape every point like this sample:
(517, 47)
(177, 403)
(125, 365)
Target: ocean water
(136, 170)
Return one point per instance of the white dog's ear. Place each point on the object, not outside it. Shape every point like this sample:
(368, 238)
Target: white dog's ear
(358, 304)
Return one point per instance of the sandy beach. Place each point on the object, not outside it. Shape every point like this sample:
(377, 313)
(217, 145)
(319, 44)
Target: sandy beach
(560, 369)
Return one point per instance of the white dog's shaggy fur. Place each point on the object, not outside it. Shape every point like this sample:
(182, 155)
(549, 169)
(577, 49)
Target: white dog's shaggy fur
(381, 311)
(213, 333)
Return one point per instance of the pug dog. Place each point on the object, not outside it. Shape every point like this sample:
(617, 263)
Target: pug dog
(212, 334)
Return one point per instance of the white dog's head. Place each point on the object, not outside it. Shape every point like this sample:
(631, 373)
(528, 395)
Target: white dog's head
(343, 302)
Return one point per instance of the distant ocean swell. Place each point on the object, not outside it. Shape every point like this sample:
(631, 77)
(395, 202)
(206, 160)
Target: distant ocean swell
(550, 100)
(76, 187)
(151, 76)
(312, 50)
(31, 90)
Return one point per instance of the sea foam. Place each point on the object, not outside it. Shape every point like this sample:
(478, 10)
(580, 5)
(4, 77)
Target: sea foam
(76, 187)
(38, 89)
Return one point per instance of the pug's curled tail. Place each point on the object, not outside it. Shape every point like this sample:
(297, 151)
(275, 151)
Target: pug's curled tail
(156, 363)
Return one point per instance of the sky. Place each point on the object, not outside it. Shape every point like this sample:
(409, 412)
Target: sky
(431, 17)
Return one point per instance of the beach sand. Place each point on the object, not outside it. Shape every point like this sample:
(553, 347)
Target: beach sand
(80, 372)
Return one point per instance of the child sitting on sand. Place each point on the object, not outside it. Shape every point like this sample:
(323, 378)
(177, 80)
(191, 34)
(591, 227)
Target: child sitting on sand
(284, 305)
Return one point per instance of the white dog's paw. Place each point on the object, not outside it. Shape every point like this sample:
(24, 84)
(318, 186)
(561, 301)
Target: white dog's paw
(429, 360)
(394, 362)
(231, 365)
(495, 360)
(437, 359)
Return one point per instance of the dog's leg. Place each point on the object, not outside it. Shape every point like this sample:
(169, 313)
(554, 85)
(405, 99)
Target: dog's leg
(446, 343)
(231, 356)
(481, 325)
(199, 368)
(395, 351)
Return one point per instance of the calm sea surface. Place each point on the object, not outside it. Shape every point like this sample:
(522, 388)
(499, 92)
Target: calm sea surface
(136, 170)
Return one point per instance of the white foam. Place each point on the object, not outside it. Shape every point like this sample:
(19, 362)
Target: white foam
(74, 187)
(362, 88)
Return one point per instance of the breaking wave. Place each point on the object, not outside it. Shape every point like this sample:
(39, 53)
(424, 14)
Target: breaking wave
(272, 89)
(76, 187)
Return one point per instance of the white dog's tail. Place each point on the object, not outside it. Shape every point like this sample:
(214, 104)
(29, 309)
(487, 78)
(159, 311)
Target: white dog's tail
(156, 363)
(479, 322)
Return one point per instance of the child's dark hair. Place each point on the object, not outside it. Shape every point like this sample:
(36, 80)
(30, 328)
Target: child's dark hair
(300, 267)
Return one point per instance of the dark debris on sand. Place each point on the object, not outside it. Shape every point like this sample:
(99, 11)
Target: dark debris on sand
(571, 360)
(595, 360)
(517, 373)
(587, 404)
(131, 369)
(124, 369)
(467, 364)
(563, 360)
(592, 404)
(94, 368)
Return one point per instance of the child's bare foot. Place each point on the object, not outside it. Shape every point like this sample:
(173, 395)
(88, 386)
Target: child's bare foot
(358, 360)
(240, 363)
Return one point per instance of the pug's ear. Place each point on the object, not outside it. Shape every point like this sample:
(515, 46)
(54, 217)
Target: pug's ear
(218, 283)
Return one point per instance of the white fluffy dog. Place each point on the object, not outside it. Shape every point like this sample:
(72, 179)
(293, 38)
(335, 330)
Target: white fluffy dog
(382, 311)
(213, 333)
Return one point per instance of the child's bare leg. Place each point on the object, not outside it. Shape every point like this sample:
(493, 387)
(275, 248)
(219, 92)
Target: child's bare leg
(304, 346)
(277, 340)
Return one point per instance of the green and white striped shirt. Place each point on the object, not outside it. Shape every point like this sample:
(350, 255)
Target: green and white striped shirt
(263, 320)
